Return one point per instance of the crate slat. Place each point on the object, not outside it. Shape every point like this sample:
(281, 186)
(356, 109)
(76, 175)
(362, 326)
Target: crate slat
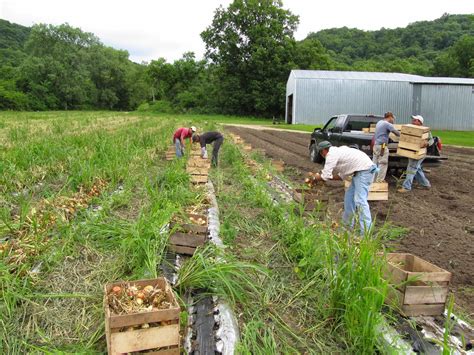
(425, 294)
(182, 249)
(186, 239)
(143, 339)
(412, 154)
(413, 130)
(199, 179)
(423, 309)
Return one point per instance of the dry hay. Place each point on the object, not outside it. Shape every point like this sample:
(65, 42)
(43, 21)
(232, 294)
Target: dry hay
(74, 312)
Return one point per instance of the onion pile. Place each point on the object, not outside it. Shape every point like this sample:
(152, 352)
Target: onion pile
(128, 299)
(200, 221)
(310, 179)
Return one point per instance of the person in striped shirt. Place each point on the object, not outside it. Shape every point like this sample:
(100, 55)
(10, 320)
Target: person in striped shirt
(342, 162)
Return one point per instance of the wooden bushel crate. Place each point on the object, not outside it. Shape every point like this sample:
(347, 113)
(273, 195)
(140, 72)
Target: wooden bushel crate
(417, 286)
(412, 138)
(195, 170)
(247, 147)
(279, 165)
(162, 335)
(237, 139)
(198, 162)
(378, 191)
(199, 179)
(189, 235)
(170, 154)
(311, 200)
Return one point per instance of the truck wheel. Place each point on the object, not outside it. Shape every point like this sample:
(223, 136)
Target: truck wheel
(313, 153)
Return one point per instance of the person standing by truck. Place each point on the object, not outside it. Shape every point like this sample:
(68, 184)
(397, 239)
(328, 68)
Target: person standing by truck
(414, 168)
(178, 139)
(380, 152)
(216, 138)
(342, 162)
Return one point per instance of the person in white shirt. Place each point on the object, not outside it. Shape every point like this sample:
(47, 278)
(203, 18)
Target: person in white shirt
(342, 162)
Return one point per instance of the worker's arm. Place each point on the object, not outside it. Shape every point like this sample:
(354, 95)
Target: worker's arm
(392, 129)
(318, 177)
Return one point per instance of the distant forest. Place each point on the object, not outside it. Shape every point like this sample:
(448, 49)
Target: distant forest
(250, 51)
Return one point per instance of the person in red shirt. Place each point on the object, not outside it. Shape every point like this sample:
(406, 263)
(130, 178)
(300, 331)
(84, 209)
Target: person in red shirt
(178, 139)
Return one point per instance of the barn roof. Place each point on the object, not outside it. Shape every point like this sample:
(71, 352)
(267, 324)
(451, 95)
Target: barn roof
(360, 75)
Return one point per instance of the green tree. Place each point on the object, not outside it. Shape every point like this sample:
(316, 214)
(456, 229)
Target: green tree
(251, 43)
(58, 62)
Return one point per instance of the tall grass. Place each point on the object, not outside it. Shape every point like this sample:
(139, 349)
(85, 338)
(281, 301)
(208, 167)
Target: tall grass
(342, 271)
(51, 155)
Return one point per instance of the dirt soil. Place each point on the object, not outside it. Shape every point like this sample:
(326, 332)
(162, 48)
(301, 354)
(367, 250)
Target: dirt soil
(439, 221)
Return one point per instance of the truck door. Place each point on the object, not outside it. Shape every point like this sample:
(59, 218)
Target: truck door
(333, 130)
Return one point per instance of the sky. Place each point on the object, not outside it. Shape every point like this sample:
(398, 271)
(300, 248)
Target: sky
(150, 29)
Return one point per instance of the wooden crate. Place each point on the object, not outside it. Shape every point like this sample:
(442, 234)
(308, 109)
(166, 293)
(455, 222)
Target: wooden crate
(247, 147)
(372, 128)
(278, 165)
(393, 137)
(199, 179)
(170, 154)
(378, 191)
(162, 335)
(311, 200)
(412, 154)
(366, 130)
(198, 162)
(237, 139)
(411, 140)
(188, 235)
(415, 131)
(195, 170)
(417, 286)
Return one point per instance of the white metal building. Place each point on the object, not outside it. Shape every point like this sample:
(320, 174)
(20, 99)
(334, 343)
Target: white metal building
(313, 96)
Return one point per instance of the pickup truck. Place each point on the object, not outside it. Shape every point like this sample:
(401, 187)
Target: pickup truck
(348, 130)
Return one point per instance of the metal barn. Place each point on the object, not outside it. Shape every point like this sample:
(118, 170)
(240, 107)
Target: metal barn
(313, 96)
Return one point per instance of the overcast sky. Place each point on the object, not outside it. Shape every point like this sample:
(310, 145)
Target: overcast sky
(149, 29)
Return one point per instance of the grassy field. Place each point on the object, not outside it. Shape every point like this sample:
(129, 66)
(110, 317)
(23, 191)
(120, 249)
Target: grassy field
(85, 197)
(460, 138)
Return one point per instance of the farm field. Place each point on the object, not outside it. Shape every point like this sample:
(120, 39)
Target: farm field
(438, 223)
(86, 199)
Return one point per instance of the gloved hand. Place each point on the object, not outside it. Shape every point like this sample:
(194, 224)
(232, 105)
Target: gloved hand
(204, 153)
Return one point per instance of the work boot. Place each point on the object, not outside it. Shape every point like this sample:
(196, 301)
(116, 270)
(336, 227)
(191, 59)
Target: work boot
(403, 190)
(421, 187)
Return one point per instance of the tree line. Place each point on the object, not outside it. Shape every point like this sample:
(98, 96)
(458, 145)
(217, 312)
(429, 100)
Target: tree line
(250, 51)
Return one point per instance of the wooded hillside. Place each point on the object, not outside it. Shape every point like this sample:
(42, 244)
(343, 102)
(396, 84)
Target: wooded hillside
(248, 60)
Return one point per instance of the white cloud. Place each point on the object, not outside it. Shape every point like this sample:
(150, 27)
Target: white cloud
(149, 29)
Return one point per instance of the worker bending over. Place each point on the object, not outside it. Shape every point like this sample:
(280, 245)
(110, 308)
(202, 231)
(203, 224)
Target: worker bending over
(342, 162)
(178, 139)
(216, 138)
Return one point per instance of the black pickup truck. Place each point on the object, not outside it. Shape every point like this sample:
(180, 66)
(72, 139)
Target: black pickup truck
(348, 130)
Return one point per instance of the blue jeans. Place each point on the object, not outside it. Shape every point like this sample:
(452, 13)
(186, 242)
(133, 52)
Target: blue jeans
(177, 145)
(355, 200)
(415, 172)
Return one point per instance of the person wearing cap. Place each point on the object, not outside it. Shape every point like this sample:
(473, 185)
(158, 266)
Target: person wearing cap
(340, 163)
(216, 138)
(179, 136)
(414, 169)
(380, 152)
